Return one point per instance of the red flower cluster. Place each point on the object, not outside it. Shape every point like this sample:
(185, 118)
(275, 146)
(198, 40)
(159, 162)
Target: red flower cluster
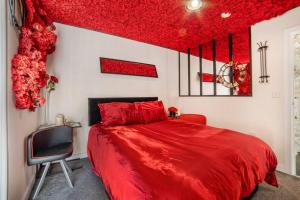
(37, 40)
(54, 79)
(243, 78)
(172, 109)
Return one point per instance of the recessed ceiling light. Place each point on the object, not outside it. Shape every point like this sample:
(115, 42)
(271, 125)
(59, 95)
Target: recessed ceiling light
(193, 5)
(225, 15)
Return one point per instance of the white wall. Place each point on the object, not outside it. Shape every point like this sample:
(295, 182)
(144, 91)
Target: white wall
(76, 63)
(20, 124)
(260, 115)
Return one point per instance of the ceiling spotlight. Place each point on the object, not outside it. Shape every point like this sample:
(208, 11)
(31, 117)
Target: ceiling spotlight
(225, 15)
(193, 5)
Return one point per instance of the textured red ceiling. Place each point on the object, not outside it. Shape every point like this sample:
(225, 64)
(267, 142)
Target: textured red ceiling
(240, 48)
(165, 23)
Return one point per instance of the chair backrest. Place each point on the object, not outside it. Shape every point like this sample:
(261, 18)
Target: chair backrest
(50, 137)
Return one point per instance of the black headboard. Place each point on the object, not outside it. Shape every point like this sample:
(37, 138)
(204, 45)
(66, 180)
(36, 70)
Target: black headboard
(94, 114)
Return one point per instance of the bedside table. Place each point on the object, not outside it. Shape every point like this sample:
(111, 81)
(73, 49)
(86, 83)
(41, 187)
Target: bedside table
(71, 124)
(200, 119)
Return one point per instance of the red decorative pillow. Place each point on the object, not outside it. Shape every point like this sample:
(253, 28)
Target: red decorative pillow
(131, 116)
(113, 114)
(151, 111)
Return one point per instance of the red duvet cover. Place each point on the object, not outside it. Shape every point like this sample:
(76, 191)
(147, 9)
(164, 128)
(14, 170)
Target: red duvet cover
(175, 159)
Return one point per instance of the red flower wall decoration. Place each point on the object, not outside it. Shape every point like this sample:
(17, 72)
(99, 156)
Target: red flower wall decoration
(113, 66)
(37, 40)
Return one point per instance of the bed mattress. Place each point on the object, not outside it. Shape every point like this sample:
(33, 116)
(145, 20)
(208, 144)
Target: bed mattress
(176, 159)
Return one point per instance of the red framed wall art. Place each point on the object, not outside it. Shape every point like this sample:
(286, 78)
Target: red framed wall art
(122, 67)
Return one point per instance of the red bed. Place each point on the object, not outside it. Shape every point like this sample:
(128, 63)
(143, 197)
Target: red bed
(176, 159)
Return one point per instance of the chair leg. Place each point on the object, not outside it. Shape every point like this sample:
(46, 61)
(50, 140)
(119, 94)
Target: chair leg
(41, 182)
(66, 173)
(67, 166)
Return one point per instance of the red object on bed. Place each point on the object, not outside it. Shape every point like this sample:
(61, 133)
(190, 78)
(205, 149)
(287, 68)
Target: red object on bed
(115, 113)
(151, 111)
(200, 119)
(176, 159)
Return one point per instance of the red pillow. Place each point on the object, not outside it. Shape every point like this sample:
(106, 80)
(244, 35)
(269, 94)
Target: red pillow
(151, 111)
(131, 116)
(113, 114)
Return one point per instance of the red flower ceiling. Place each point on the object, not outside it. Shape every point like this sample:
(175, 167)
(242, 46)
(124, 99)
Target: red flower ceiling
(165, 23)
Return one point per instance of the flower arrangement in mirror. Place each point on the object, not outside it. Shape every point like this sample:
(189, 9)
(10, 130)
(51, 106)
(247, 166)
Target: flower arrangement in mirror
(37, 39)
(241, 77)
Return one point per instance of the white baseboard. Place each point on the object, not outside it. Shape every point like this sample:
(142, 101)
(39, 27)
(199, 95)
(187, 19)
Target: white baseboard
(29, 188)
(282, 168)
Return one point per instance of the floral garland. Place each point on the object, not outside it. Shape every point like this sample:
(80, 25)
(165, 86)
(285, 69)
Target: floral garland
(37, 39)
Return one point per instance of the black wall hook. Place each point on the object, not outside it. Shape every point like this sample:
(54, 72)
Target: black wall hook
(263, 62)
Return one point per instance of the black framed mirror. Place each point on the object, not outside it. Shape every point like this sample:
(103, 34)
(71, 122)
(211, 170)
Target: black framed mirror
(220, 67)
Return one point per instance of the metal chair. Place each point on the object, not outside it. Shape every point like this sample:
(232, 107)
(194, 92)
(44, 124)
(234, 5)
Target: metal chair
(48, 145)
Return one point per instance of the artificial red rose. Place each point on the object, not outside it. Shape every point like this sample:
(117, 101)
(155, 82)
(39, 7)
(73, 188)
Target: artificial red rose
(52, 27)
(20, 62)
(45, 40)
(31, 108)
(37, 27)
(54, 79)
(30, 11)
(43, 79)
(42, 101)
(25, 42)
(172, 109)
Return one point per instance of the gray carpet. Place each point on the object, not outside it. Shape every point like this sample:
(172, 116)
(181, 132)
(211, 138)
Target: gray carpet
(87, 186)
